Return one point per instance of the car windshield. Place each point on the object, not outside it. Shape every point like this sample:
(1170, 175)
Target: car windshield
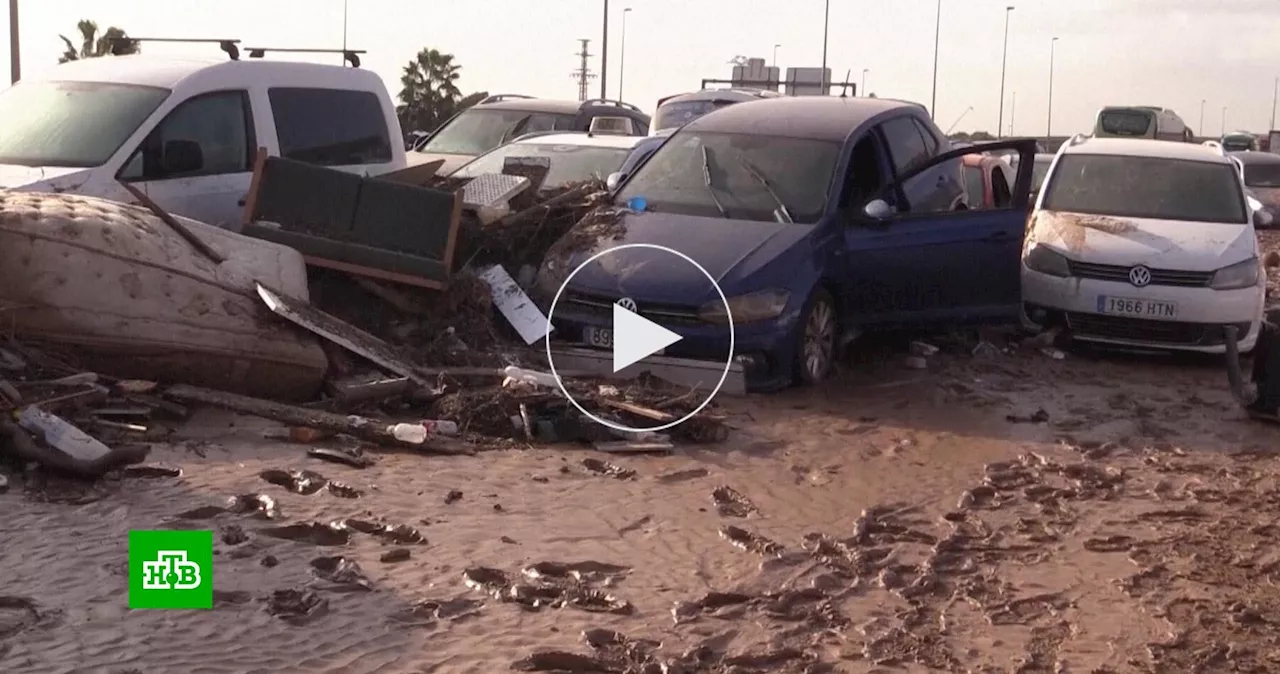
(72, 124)
(1237, 145)
(1126, 122)
(797, 170)
(673, 115)
(1146, 187)
(973, 185)
(1262, 175)
(569, 163)
(478, 130)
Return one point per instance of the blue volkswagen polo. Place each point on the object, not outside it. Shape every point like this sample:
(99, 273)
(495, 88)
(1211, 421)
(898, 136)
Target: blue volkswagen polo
(819, 218)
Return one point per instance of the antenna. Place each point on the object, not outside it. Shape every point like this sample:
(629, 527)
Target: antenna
(844, 90)
(583, 74)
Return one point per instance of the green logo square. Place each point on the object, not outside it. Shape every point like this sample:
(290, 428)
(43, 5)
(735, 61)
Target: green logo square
(171, 569)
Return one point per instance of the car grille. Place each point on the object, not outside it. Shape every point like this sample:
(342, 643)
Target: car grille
(1159, 277)
(602, 306)
(1145, 330)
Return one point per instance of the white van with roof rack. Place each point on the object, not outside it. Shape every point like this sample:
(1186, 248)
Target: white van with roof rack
(186, 131)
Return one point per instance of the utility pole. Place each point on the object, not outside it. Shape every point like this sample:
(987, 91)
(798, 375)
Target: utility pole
(583, 74)
(1048, 126)
(826, 26)
(937, 31)
(622, 57)
(1004, 62)
(604, 55)
(15, 60)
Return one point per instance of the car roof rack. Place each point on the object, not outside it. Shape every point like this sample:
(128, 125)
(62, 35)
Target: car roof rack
(351, 56)
(609, 101)
(119, 45)
(498, 98)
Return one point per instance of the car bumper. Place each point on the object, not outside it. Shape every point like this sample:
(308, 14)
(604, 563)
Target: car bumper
(766, 350)
(1202, 313)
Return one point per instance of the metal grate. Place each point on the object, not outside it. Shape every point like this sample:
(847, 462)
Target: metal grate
(492, 190)
(1159, 277)
(1174, 333)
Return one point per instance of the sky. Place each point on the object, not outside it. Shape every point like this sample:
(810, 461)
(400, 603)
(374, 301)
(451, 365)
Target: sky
(1171, 53)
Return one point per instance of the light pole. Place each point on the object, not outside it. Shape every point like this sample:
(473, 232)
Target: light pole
(1200, 131)
(1004, 61)
(937, 31)
(15, 67)
(1048, 125)
(622, 53)
(1013, 110)
(1275, 93)
(1224, 120)
(775, 55)
(344, 33)
(604, 53)
(864, 80)
(826, 25)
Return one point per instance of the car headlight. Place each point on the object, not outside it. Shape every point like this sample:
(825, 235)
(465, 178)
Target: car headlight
(1238, 275)
(1047, 261)
(749, 308)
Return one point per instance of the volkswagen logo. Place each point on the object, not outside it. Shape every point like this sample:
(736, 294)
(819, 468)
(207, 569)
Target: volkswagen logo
(627, 303)
(1139, 276)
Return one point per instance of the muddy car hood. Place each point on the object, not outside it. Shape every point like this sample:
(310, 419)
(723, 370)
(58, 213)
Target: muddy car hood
(452, 162)
(41, 178)
(732, 251)
(1162, 244)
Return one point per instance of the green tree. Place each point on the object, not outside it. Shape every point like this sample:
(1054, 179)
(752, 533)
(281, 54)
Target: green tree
(430, 90)
(93, 45)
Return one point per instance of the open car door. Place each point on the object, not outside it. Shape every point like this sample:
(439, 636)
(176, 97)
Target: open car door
(950, 266)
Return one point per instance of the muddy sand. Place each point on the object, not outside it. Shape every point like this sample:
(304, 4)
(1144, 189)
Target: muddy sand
(995, 513)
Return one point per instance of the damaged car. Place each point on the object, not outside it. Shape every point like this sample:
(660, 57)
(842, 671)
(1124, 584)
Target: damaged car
(570, 157)
(1146, 244)
(817, 217)
(1261, 173)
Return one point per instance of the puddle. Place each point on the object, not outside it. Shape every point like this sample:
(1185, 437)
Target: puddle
(311, 532)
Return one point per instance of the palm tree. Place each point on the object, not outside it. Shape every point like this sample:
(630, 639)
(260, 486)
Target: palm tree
(92, 45)
(430, 94)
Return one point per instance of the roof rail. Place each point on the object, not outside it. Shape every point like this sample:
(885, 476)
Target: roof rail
(119, 45)
(496, 98)
(608, 101)
(349, 55)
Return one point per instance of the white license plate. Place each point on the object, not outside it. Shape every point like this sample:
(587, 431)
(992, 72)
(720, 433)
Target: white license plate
(1135, 308)
(600, 338)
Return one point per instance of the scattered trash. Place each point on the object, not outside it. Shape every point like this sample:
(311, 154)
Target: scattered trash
(515, 305)
(61, 435)
(1053, 353)
(1038, 417)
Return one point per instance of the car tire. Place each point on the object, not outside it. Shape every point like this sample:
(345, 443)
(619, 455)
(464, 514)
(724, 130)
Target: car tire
(816, 338)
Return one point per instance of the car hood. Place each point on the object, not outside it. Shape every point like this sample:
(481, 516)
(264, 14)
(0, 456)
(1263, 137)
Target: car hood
(731, 251)
(1162, 244)
(452, 162)
(42, 178)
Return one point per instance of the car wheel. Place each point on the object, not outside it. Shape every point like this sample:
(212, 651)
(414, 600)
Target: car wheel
(816, 347)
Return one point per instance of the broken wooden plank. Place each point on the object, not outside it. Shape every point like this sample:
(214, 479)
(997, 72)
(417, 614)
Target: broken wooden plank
(634, 447)
(417, 175)
(515, 305)
(293, 416)
(364, 389)
(195, 241)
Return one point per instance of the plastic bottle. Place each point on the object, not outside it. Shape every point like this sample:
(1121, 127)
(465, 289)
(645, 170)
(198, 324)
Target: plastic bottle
(530, 376)
(61, 435)
(419, 432)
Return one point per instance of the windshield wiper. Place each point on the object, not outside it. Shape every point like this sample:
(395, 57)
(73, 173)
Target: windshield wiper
(706, 178)
(781, 213)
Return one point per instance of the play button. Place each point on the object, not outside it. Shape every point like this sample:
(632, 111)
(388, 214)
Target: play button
(636, 337)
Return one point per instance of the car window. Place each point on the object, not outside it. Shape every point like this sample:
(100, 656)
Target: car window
(330, 127)
(1146, 187)
(930, 143)
(72, 124)
(974, 188)
(864, 180)
(478, 130)
(745, 171)
(906, 147)
(1001, 187)
(1039, 170)
(217, 122)
(679, 113)
(639, 153)
(569, 163)
(1262, 175)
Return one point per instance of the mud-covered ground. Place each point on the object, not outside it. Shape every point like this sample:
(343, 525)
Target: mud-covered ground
(996, 512)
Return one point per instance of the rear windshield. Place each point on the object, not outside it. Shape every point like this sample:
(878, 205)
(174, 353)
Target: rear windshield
(1039, 170)
(1126, 122)
(478, 130)
(974, 186)
(71, 124)
(1146, 187)
(674, 115)
(1238, 144)
(569, 163)
(1262, 175)
(743, 169)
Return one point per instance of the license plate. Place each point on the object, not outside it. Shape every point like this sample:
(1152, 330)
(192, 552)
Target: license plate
(600, 338)
(1135, 308)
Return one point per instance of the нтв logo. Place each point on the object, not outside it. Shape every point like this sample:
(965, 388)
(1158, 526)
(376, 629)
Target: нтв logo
(171, 569)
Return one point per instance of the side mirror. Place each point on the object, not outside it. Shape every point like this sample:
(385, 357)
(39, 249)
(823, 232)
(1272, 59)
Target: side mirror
(614, 180)
(878, 209)
(182, 156)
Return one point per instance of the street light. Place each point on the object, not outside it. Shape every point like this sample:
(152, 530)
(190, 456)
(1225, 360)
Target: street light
(15, 69)
(826, 25)
(1013, 110)
(1224, 120)
(344, 33)
(604, 53)
(937, 30)
(622, 57)
(1048, 127)
(1200, 131)
(1004, 61)
(1275, 92)
(953, 124)
(775, 55)
(864, 81)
